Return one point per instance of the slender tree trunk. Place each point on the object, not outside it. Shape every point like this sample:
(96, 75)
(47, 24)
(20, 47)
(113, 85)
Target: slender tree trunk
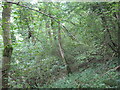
(62, 52)
(49, 31)
(53, 29)
(108, 37)
(7, 52)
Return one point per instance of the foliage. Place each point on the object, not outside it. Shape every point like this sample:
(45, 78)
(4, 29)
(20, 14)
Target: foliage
(87, 79)
(38, 30)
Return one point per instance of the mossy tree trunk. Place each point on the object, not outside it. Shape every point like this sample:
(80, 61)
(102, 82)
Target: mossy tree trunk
(7, 52)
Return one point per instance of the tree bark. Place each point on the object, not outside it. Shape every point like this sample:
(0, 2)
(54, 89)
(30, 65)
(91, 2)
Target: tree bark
(7, 52)
(62, 52)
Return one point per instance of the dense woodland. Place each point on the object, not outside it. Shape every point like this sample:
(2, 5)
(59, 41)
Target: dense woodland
(60, 45)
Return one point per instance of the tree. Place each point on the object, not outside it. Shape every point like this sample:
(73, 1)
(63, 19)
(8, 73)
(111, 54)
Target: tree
(61, 50)
(7, 53)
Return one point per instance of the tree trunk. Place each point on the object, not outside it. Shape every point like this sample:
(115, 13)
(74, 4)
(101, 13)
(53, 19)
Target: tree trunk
(53, 29)
(7, 52)
(49, 31)
(62, 52)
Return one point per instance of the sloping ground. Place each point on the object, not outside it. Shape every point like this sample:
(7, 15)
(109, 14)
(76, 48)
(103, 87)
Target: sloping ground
(97, 75)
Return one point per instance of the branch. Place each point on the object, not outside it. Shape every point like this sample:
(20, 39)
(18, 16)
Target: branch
(112, 48)
(70, 22)
(72, 37)
(31, 9)
(69, 34)
(115, 45)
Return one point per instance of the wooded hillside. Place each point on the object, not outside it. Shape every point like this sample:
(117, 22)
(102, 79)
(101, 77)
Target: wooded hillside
(60, 45)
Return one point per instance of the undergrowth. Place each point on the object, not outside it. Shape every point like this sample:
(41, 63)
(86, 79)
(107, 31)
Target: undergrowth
(89, 78)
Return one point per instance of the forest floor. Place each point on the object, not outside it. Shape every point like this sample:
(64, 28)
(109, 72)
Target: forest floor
(90, 75)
